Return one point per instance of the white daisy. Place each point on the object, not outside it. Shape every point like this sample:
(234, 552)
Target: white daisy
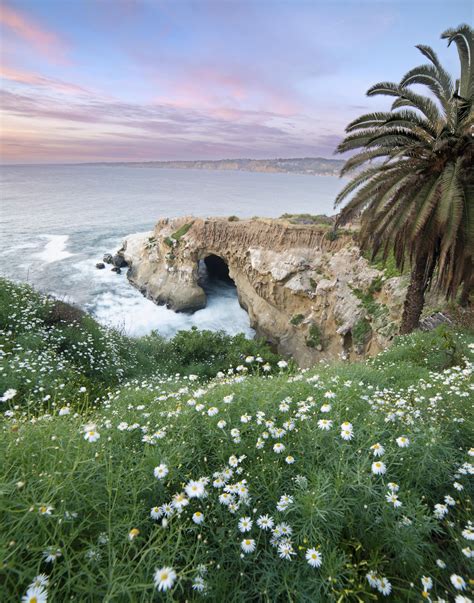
(164, 578)
(377, 449)
(379, 468)
(457, 581)
(403, 441)
(35, 594)
(161, 471)
(325, 424)
(245, 524)
(156, 512)
(198, 517)
(265, 522)
(314, 558)
(195, 489)
(248, 545)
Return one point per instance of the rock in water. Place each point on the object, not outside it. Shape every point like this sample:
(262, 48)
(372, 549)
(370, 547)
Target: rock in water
(108, 258)
(119, 261)
(100, 265)
(116, 269)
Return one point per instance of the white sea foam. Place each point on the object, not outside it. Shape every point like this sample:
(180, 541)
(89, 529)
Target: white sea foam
(55, 249)
(135, 315)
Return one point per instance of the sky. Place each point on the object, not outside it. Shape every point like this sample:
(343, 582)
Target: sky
(142, 80)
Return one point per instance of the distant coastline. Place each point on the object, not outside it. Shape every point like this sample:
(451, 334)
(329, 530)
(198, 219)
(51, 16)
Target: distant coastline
(311, 166)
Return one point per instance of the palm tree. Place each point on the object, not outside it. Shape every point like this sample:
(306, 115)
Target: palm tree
(413, 187)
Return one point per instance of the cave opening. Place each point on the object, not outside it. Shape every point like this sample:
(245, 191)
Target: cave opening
(214, 270)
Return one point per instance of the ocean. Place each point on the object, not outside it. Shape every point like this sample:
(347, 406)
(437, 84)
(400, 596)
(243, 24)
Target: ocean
(56, 222)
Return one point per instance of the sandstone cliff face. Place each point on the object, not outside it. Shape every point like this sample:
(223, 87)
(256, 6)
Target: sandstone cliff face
(312, 297)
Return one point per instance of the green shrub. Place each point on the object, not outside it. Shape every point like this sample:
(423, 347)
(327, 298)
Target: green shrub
(315, 336)
(297, 319)
(181, 231)
(361, 331)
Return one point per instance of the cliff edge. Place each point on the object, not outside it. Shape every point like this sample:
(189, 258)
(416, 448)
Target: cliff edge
(307, 291)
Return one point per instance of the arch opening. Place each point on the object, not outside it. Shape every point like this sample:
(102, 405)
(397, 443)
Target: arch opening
(214, 270)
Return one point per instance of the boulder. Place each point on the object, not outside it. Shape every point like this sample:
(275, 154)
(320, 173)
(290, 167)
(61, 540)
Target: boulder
(119, 261)
(116, 269)
(100, 265)
(108, 258)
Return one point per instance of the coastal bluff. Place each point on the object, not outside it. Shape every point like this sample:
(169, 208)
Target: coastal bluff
(306, 289)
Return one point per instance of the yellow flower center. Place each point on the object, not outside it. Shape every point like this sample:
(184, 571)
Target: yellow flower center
(33, 600)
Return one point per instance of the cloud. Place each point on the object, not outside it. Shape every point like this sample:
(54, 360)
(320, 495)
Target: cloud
(35, 79)
(44, 128)
(46, 42)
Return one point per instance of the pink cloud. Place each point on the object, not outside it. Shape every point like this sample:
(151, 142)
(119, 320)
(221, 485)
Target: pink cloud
(35, 79)
(46, 42)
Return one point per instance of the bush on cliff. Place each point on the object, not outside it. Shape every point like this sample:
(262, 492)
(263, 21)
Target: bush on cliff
(349, 482)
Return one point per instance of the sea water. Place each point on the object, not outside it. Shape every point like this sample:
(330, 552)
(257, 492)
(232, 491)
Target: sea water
(56, 222)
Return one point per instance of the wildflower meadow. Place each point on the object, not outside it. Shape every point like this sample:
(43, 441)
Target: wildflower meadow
(126, 477)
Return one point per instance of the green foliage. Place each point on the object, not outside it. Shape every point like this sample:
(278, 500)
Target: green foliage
(361, 331)
(297, 319)
(72, 351)
(181, 231)
(315, 336)
(59, 490)
(412, 178)
(233, 218)
(320, 219)
(388, 266)
(332, 235)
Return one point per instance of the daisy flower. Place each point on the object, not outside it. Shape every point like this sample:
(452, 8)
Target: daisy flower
(245, 524)
(377, 449)
(457, 581)
(265, 522)
(195, 489)
(91, 435)
(40, 580)
(199, 584)
(290, 459)
(156, 512)
(286, 550)
(278, 448)
(384, 586)
(164, 578)
(198, 517)
(379, 468)
(161, 471)
(427, 582)
(45, 510)
(403, 441)
(326, 408)
(51, 554)
(314, 558)
(392, 498)
(248, 545)
(35, 594)
(325, 424)
(133, 534)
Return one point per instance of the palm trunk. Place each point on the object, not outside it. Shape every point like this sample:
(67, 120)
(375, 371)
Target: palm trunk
(415, 297)
(466, 290)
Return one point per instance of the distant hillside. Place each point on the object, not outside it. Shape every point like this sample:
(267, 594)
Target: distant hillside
(313, 166)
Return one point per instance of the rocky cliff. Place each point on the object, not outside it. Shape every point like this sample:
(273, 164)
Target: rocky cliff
(311, 294)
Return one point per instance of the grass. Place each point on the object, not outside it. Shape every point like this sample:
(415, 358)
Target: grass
(82, 481)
